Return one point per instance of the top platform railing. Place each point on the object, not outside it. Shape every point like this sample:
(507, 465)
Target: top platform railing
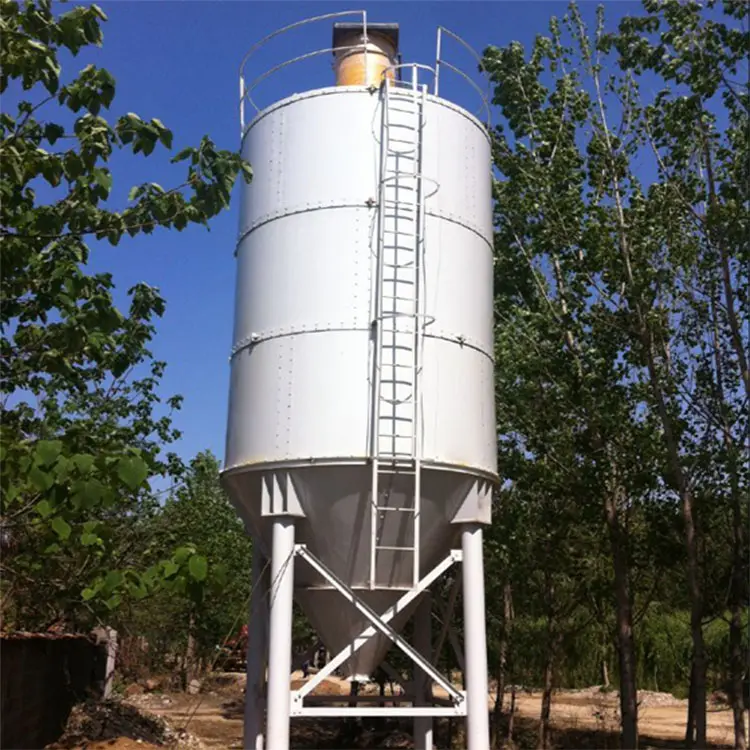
(441, 64)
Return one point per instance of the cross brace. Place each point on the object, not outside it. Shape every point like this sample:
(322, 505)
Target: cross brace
(379, 623)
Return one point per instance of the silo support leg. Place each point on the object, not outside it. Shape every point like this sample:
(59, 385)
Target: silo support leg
(422, 682)
(475, 639)
(257, 649)
(280, 634)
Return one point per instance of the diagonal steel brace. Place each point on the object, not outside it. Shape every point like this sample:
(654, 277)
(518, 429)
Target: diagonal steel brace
(379, 623)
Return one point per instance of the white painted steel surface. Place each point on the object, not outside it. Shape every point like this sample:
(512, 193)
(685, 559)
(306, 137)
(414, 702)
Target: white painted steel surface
(475, 639)
(302, 371)
(280, 628)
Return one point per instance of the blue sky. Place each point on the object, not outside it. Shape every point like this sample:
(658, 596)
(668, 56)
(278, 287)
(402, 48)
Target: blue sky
(178, 61)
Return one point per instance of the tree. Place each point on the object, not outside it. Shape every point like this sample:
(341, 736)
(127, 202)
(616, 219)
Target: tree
(83, 425)
(621, 369)
(200, 514)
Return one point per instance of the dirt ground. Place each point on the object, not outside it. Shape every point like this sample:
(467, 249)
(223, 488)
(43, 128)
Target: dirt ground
(599, 711)
(215, 716)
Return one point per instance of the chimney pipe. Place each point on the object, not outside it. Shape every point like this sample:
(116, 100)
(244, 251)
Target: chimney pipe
(355, 68)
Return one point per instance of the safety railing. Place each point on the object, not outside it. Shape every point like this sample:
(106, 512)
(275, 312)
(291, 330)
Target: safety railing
(441, 62)
(247, 89)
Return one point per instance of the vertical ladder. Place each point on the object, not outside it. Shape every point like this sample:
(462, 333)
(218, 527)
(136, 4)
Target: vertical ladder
(396, 414)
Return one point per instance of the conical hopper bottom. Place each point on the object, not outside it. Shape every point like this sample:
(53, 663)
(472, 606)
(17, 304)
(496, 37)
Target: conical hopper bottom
(338, 623)
(336, 528)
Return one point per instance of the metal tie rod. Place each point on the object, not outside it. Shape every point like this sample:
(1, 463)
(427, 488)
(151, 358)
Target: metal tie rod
(379, 623)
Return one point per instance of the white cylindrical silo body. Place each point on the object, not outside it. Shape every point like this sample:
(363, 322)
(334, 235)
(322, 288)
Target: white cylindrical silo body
(302, 365)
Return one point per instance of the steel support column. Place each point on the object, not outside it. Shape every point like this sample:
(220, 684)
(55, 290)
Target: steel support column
(475, 639)
(280, 636)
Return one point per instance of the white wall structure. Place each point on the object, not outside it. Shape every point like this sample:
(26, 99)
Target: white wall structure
(361, 438)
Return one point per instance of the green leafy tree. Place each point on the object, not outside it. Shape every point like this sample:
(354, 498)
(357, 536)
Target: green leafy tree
(622, 371)
(83, 426)
(199, 514)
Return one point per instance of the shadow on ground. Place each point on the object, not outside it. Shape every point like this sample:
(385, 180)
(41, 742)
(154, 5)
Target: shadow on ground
(332, 734)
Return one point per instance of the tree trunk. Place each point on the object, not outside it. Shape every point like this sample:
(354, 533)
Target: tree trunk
(624, 618)
(698, 687)
(737, 663)
(690, 725)
(605, 673)
(512, 714)
(187, 674)
(738, 589)
(502, 666)
(543, 743)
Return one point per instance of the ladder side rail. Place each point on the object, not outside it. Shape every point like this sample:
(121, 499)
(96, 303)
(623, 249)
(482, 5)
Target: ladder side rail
(378, 344)
(419, 343)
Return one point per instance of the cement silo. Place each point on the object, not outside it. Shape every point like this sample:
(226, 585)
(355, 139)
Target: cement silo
(361, 447)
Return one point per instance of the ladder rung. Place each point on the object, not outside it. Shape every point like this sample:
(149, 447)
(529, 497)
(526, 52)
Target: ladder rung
(396, 186)
(395, 549)
(399, 281)
(394, 510)
(398, 299)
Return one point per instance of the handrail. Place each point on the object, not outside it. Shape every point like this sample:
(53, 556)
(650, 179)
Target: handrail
(485, 103)
(400, 66)
(247, 89)
(439, 61)
(306, 56)
(325, 16)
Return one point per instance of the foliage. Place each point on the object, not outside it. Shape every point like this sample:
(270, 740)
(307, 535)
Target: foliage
(84, 427)
(621, 275)
(209, 575)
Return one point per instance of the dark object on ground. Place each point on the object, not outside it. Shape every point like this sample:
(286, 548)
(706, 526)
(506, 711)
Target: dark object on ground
(43, 676)
(109, 720)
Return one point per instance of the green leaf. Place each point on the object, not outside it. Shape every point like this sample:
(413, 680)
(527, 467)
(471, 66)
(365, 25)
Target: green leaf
(44, 508)
(83, 462)
(183, 553)
(132, 471)
(61, 527)
(89, 493)
(47, 451)
(42, 480)
(112, 580)
(170, 568)
(198, 567)
(182, 155)
(88, 593)
(89, 540)
(103, 178)
(62, 469)
(52, 131)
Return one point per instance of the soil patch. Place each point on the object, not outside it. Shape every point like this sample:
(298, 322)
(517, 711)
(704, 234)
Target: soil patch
(95, 725)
